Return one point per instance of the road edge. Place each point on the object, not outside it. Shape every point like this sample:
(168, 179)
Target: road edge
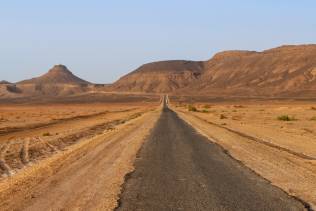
(308, 206)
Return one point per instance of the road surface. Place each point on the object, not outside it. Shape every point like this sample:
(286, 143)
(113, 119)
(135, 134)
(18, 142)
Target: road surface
(178, 169)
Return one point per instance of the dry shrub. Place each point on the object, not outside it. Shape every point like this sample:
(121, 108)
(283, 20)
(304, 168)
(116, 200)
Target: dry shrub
(192, 108)
(46, 134)
(222, 116)
(286, 118)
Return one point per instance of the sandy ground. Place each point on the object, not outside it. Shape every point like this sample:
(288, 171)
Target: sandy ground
(14, 117)
(284, 152)
(84, 175)
(28, 145)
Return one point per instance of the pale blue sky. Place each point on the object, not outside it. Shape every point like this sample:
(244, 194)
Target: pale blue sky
(102, 40)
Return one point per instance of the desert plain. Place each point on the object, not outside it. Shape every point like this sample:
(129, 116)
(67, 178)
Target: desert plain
(77, 155)
(41, 144)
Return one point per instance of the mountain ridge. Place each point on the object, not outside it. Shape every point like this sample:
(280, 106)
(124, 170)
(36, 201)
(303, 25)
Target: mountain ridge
(288, 70)
(285, 71)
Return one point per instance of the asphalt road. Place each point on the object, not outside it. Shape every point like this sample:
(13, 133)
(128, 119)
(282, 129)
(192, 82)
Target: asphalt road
(178, 169)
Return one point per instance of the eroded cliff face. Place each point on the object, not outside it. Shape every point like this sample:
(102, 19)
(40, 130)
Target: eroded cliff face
(286, 71)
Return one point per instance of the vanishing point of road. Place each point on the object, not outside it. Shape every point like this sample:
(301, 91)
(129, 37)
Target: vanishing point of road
(179, 169)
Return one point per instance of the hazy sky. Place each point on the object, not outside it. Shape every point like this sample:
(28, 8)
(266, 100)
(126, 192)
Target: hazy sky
(102, 40)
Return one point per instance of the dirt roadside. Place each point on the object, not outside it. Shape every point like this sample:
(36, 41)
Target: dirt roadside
(293, 173)
(86, 176)
(22, 148)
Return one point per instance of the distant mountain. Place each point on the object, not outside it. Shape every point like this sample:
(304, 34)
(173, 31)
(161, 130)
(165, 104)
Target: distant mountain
(4, 82)
(160, 77)
(283, 71)
(58, 81)
(286, 71)
(59, 74)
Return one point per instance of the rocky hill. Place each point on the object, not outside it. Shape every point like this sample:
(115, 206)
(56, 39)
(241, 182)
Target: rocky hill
(59, 74)
(160, 77)
(4, 82)
(286, 71)
(58, 81)
(283, 71)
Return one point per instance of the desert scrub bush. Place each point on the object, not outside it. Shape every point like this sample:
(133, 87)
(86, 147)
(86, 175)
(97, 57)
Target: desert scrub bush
(205, 111)
(46, 134)
(285, 118)
(206, 106)
(222, 116)
(192, 108)
(239, 106)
